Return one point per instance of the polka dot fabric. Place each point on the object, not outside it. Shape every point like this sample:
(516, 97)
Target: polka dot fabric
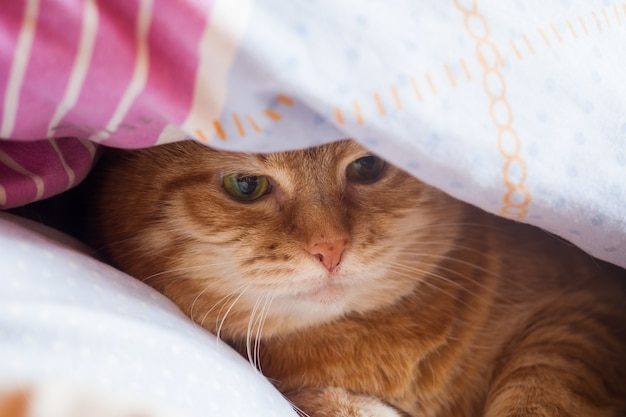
(68, 318)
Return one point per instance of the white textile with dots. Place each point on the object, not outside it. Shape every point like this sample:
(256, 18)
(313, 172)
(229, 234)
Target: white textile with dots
(72, 321)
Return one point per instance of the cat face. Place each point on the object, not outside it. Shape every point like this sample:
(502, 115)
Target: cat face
(297, 238)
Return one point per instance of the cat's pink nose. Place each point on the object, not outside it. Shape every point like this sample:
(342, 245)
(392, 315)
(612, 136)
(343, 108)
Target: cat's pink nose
(328, 252)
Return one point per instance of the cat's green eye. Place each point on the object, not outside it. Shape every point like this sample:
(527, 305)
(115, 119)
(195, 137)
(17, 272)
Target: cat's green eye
(246, 188)
(366, 169)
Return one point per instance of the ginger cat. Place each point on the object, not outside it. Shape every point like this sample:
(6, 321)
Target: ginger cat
(360, 291)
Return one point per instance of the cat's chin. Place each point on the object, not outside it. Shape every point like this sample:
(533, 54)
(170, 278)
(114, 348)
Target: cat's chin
(330, 293)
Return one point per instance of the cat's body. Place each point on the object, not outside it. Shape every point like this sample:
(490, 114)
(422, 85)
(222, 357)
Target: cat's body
(360, 291)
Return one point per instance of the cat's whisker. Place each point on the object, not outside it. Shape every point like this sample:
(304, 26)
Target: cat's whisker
(440, 258)
(405, 270)
(219, 302)
(405, 273)
(454, 237)
(256, 320)
(451, 246)
(251, 321)
(444, 257)
(460, 275)
(447, 245)
(445, 279)
(190, 268)
(297, 409)
(232, 305)
(257, 347)
(193, 304)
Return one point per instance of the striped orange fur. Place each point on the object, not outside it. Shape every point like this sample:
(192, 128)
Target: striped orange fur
(416, 304)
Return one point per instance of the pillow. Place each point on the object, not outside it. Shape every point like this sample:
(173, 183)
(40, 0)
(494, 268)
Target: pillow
(72, 325)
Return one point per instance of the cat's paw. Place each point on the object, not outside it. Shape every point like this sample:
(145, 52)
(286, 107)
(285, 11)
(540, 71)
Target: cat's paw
(337, 402)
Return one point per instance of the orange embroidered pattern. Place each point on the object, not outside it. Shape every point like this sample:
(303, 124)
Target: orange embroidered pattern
(517, 197)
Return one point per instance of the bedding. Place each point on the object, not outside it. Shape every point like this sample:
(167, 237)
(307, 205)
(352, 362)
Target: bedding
(515, 107)
(75, 328)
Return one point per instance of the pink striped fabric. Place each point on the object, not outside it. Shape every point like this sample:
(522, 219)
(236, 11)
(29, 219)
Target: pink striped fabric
(114, 72)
